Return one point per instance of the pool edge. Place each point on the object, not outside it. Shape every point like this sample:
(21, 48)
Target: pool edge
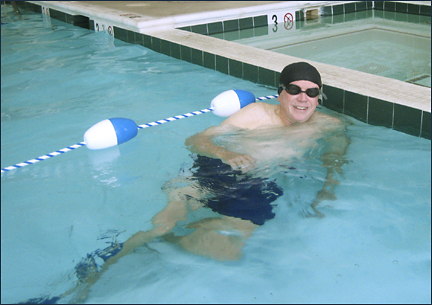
(389, 105)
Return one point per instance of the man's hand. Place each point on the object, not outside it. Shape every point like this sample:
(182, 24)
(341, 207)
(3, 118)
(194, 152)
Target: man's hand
(237, 161)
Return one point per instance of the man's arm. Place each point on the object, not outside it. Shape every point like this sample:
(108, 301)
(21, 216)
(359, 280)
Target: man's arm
(250, 117)
(333, 158)
(202, 144)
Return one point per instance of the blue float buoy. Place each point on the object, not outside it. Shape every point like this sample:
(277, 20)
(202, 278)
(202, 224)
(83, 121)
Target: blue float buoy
(229, 102)
(110, 132)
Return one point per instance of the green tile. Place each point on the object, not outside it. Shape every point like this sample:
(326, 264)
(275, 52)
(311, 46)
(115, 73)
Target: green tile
(215, 27)
(250, 72)
(81, 21)
(356, 105)
(120, 34)
(156, 44)
(260, 21)
(327, 11)
(200, 29)
(165, 47)
(335, 98)
(401, 7)
(360, 6)
(231, 25)
(132, 37)
(425, 10)
(246, 23)
(349, 7)
(185, 53)
(299, 15)
(389, 6)
(369, 4)
(221, 64)
(175, 50)
(235, 68)
(413, 9)
(209, 60)
(139, 39)
(338, 9)
(426, 125)
(380, 113)
(147, 41)
(407, 119)
(379, 5)
(197, 57)
(267, 77)
(57, 15)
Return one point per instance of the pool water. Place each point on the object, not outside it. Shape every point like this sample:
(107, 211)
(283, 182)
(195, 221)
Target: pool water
(372, 246)
(397, 46)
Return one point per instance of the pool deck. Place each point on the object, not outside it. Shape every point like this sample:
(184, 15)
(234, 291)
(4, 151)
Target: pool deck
(160, 19)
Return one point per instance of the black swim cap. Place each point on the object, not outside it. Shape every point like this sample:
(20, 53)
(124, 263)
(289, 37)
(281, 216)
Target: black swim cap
(300, 71)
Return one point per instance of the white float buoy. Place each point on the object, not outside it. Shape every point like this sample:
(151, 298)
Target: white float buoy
(110, 132)
(229, 102)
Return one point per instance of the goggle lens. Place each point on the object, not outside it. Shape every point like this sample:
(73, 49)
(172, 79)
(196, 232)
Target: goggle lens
(294, 90)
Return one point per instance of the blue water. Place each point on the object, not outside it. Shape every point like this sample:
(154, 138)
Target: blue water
(372, 246)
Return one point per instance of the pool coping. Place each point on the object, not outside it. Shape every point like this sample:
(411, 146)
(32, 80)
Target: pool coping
(390, 105)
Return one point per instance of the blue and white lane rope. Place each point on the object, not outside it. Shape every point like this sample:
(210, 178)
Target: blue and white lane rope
(174, 118)
(80, 144)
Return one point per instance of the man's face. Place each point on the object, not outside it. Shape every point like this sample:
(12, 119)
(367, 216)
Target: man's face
(300, 107)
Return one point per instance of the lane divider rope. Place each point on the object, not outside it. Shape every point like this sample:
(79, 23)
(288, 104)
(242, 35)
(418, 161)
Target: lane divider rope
(80, 144)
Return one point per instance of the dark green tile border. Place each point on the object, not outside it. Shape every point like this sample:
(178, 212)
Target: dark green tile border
(356, 105)
(246, 23)
(175, 50)
(222, 64)
(250, 73)
(235, 68)
(260, 20)
(335, 98)
(215, 27)
(209, 61)
(185, 53)
(121, 34)
(197, 57)
(426, 125)
(407, 119)
(267, 77)
(231, 25)
(165, 47)
(380, 113)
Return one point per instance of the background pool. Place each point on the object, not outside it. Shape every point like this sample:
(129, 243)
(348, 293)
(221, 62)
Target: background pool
(393, 45)
(373, 246)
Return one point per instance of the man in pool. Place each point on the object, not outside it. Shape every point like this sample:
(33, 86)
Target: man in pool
(233, 172)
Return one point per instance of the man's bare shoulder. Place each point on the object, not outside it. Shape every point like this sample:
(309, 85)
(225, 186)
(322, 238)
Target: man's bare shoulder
(322, 117)
(253, 116)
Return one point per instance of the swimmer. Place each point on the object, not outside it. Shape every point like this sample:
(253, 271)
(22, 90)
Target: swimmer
(232, 170)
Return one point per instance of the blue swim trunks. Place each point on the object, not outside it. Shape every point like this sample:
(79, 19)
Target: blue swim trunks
(234, 193)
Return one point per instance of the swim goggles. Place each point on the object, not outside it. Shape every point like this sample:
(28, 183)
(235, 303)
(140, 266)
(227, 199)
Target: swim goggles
(294, 90)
